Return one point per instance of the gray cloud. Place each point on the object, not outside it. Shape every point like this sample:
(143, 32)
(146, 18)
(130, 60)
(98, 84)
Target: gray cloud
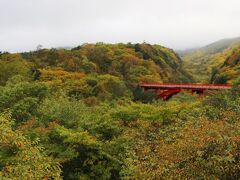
(177, 24)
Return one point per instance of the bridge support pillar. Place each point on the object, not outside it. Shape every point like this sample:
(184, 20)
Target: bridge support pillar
(166, 95)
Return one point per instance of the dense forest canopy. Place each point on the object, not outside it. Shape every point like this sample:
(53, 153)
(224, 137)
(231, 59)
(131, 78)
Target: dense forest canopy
(80, 114)
(97, 70)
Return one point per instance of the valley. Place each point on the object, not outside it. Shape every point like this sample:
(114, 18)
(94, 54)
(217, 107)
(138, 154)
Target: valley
(80, 113)
(206, 62)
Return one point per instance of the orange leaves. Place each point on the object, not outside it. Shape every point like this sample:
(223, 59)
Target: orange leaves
(27, 125)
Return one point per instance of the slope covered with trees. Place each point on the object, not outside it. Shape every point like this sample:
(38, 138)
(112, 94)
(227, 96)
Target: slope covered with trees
(97, 70)
(79, 114)
(201, 62)
(229, 71)
(151, 62)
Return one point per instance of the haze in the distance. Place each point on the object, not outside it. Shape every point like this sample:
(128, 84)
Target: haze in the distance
(178, 24)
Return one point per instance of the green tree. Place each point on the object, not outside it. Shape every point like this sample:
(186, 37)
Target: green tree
(21, 158)
(11, 65)
(21, 98)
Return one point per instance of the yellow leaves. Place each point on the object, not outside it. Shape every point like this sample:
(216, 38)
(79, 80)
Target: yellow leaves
(26, 160)
(229, 64)
(20, 144)
(197, 145)
(59, 74)
(9, 168)
(201, 63)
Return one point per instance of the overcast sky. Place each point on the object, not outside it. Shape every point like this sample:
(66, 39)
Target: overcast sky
(177, 24)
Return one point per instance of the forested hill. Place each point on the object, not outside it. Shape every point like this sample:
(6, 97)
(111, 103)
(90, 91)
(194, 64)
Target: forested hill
(79, 114)
(229, 70)
(89, 65)
(147, 62)
(201, 62)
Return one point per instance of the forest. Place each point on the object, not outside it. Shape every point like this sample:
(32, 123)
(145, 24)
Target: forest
(80, 114)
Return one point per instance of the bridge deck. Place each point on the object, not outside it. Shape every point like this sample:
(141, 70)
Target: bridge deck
(185, 86)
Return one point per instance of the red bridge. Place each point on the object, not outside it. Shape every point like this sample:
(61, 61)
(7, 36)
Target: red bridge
(166, 91)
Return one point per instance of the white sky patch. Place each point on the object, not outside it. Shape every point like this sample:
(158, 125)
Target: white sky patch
(177, 24)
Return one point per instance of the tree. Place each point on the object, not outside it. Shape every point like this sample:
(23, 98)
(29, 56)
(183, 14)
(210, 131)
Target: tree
(21, 97)
(11, 65)
(21, 158)
(110, 87)
(221, 79)
(39, 47)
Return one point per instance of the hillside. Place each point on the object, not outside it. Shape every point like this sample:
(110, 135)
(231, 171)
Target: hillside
(229, 70)
(130, 62)
(150, 62)
(200, 62)
(89, 69)
(80, 114)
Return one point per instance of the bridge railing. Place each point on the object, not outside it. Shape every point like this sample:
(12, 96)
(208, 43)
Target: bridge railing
(185, 86)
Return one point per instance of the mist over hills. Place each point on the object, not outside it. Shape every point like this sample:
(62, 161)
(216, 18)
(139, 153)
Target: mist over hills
(220, 45)
(202, 61)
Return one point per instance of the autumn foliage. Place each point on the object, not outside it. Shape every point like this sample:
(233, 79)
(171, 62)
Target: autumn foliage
(80, 114)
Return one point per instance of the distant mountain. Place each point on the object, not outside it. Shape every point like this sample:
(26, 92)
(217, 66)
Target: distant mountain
(219, 46)
(200, 62)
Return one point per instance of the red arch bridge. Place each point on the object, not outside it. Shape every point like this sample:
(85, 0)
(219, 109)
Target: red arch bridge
(166, 91)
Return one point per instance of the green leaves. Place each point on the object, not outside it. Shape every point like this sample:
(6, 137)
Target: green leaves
(76, 137)
(22, 99)
(78, 119)
(22, 158)
(12, 65)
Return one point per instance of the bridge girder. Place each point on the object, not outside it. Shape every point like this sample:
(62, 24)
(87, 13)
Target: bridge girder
(166, 91)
